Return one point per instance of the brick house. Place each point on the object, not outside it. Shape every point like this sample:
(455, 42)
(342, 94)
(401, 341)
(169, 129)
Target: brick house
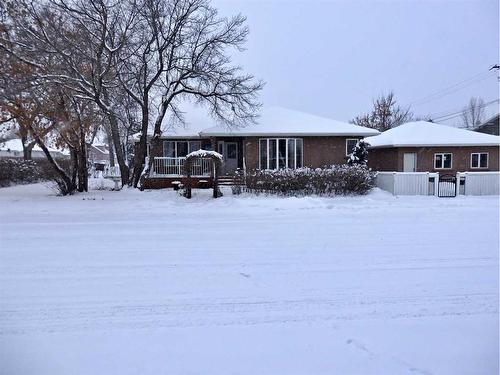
(428, 147)
(281, 138)
(490, 126)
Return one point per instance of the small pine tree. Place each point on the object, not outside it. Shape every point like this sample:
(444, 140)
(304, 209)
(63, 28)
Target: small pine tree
(359, 154)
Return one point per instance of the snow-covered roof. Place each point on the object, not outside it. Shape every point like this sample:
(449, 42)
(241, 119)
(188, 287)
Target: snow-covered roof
(273, 121)
(17, 145)
(102, 148)
(282, 121)
(426, 134)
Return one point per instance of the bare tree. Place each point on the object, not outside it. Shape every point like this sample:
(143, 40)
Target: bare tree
(386, 114)
(73, 44)
(159, 52)
(179, 50)
(473, 113)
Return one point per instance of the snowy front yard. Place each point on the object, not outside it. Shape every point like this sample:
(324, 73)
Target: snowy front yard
(151, 283)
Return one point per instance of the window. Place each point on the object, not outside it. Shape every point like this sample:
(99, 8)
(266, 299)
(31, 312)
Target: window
(178, 149)
(350, 143)
(280, 153)
(479, 160)
(442, 161)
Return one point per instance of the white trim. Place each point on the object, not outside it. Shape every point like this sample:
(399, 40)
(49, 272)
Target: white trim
(346, 141)
(479, 160)
(442, 160)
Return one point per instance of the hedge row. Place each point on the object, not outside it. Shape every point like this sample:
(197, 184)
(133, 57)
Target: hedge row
(329, 181)
(20, 171)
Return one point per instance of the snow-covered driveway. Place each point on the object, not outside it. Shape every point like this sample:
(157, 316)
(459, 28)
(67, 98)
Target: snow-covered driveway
(151, 283)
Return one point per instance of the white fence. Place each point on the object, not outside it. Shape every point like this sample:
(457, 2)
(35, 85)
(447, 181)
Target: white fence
(174, 167)
(424, 183)
(480, 183)
(407, 183)
(111, 171)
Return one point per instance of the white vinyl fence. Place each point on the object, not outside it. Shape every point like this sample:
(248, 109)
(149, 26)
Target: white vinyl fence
(407, 183)
(426, 183)
(479, 183)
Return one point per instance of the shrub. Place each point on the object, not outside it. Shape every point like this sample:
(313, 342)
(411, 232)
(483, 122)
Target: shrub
(20, 171)
(329, 181)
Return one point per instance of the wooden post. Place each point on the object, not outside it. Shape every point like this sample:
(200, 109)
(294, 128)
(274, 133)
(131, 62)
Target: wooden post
(216, 177)
(187, 165)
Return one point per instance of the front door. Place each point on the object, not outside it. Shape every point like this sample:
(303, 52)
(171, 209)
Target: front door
(229, 151)
(409, 162)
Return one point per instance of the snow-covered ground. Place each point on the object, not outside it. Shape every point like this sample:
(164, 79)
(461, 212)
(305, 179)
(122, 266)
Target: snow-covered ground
(150, 283)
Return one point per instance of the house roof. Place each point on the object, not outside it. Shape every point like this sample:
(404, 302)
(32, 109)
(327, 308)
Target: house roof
(17, 145)
(490, 126)
(273, 121)
(103, 149)
(282, 121)
(426, 134)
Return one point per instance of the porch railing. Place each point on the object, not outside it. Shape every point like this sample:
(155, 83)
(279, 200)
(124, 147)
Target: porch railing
(170, 167)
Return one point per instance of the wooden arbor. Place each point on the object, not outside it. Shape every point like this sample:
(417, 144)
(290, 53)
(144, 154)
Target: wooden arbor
(216, 162)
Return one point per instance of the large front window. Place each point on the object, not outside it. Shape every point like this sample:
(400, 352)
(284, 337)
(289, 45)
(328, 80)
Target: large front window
(178, 149)
(280, 153)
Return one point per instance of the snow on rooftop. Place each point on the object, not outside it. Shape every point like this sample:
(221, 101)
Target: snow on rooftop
(282, 121)
(272, 121)
(17, 145)
(423, 133)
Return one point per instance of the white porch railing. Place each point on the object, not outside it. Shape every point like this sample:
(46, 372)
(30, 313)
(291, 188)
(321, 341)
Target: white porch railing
(174, 167)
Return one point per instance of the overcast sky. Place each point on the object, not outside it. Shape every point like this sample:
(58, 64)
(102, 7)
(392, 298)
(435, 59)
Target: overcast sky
(333, 57)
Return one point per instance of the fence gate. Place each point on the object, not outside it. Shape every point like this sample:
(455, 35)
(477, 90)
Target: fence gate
(447, 186)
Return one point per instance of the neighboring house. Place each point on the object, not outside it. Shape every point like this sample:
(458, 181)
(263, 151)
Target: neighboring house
(490, 126)
(14, 149)
(281, 138)
(428, 147)
(98, 155)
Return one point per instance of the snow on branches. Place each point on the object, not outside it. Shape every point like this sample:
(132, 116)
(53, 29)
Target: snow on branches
(359, 154)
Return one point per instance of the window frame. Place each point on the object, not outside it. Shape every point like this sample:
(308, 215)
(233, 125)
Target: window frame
(346, 143)
(176, 141)
(277, 139)
(442, 160)
(479, 160)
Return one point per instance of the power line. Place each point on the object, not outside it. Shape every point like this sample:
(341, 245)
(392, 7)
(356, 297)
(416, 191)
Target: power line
(452, 115)
(453, 88)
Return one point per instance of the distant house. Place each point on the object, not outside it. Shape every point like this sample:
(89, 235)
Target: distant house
(428, 147)
(490, 126)
(280, 139)
(14, 149)
(98, 154)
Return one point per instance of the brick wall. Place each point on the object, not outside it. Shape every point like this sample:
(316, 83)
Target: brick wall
(391, 159)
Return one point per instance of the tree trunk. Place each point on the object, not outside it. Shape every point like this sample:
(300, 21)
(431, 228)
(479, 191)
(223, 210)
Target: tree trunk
(141, 150)
(110, 148)
(27, 148)
(74, 166)
(115, 136)
(120, 156)
(65, 184)
(83, 177)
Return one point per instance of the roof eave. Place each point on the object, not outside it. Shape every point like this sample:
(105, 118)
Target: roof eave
(437, 145)
(271, 134)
